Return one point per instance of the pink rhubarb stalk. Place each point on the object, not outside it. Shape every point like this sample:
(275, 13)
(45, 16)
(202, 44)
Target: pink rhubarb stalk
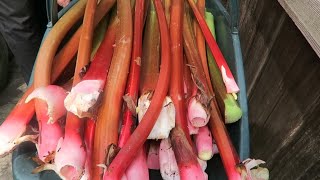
(153, 156)
(71, 155)
(204, 144)
(188, 164)
(88, 140)
(168, 165)
(139, 136)
(49, 127)
(227, 76)
(138, 168)
(13, 128)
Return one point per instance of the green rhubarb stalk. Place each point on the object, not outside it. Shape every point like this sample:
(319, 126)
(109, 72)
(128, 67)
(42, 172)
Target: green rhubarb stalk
(226, 101)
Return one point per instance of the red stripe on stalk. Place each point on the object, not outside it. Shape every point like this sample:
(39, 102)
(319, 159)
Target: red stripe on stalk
(139, 136)
(228, 78)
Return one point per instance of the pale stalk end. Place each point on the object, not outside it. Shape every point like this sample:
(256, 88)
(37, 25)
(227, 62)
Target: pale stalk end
(232, 110)
(192, 130)
(166, 118)
(197, 114)
(83, 97)
(70, 157)
(168, 165)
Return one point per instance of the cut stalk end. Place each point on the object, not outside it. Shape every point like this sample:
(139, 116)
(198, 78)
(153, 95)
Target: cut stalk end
(165, 121)
(232, 111)
(83, 97)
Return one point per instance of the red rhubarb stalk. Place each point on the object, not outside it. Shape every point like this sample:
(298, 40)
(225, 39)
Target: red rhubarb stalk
(204, 144)
(88, 140)
(134, 75)
(138, 168)
(108, 118)
(139, 136)
(228, 78)
(176, 83)
(150, 73)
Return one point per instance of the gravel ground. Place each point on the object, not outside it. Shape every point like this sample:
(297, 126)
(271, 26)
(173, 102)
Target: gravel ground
(8, 98)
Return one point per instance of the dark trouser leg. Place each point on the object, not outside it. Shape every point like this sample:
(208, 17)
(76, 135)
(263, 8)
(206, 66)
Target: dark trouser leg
(22, 29)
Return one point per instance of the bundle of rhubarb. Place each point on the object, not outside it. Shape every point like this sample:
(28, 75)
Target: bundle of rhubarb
(152, 66)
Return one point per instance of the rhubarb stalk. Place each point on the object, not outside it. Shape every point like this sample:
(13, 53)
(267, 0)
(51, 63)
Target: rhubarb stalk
(153, 155)
(228, 155)
(227, 76)
(201, 41)
(176, 83)
(204, 144)
(226, 101)
(139, 136)
(188, 164)
(150, 73)
(71, 165)
(198, 113)
(51, 133)
(13, 128)
(88, 140)
(108, 118)
(138, 168)
(168, 165)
